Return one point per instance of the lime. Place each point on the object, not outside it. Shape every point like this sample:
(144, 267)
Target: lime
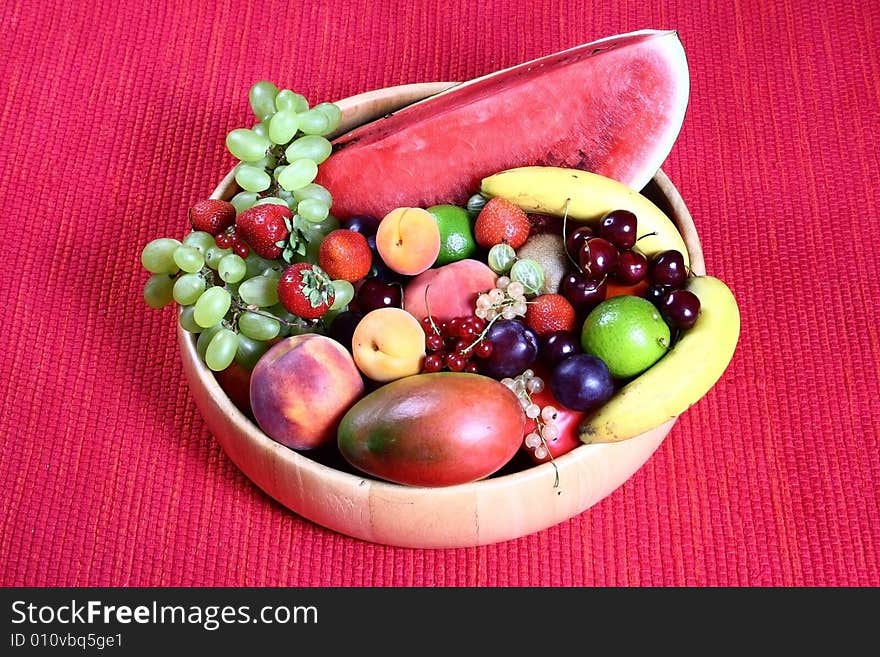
(628, 333)
(456, 233)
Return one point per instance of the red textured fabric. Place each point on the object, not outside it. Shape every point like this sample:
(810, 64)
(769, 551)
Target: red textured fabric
(113, 122)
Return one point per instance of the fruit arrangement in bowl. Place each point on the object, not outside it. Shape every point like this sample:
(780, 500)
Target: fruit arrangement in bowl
(443, 315)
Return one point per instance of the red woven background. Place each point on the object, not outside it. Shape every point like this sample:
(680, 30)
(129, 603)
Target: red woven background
(113, 121)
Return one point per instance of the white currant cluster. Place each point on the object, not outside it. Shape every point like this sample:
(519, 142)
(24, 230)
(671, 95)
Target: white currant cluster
(507, 300)
(523, 386)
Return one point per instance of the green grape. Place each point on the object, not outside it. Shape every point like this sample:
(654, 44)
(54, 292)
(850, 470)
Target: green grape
(232, 268)
(530, 273)
(158, 256)
(247, 145)
(329, 224)
(258, 327)
(185, 318)
(188, 288)
(315, 191)
(262, 99)
(277, 171)
(261, 129)
(259, 291)
(205, 338)
(344, 293)
(314, 122)
(200, 240)
(333, 113)
(243, 201)
(188, 258)
(221, 350)
(212, 306)
(271, 200)
(290, 100)
(283, 126)
(297, 173)
(249, 351)
(501, 258)
(214, 255)
(286, 318)
(158, 291)
(251, 178)
(313, 210)
(274, 270)
(256, 265)
(310, 147)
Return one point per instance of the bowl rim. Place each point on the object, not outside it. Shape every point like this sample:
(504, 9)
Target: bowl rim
(225, 419)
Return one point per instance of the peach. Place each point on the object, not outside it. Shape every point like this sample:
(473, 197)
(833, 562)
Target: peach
(301, 388)
(408, 240)
(388, 344)
(453, 292)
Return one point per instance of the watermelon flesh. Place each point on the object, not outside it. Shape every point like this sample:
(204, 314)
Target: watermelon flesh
(613, 107)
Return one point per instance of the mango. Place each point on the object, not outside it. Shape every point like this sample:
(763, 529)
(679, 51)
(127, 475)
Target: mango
(437, 429)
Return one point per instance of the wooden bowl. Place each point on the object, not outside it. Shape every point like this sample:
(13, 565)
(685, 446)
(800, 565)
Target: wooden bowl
(500, 508)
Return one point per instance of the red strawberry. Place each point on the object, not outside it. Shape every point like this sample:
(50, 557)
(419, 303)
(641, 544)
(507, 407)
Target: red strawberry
(265, 228)
(548, 313)
(501, 221)
(345, 254)
(212, 216)
(305, 290)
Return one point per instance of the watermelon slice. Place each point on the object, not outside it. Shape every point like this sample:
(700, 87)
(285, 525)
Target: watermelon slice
(613, 107)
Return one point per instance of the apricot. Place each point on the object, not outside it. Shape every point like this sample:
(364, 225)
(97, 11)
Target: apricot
(301, 388)
(453, 290)
(408, 240)
(388, 344)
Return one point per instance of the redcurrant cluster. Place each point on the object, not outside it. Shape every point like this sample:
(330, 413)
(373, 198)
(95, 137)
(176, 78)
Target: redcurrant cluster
(456, 344)
(230, 239)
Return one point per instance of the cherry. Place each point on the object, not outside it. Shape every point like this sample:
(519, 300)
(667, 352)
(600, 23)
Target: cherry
(667, 267)
(558, 346)
(680, 308)
(631, 268)
(583, 293)
(364, 224)
(575, 240)
(619, 228)
(657, 292)
(374, 294)
(597, 257)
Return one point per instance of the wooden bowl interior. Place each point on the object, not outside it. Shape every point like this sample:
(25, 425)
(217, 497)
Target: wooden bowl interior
(511, 504)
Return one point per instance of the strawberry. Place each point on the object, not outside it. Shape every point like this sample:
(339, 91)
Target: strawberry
(212, 216)
(265, 228)
(548, 313)
(305, 290)
(345, 254)
(501, 221)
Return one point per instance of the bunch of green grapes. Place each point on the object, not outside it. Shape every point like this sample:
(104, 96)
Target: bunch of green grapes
(230, 301)
(279, 156)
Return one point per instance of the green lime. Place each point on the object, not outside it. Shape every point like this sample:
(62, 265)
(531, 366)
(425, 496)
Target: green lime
(456, 233)
(628, 333)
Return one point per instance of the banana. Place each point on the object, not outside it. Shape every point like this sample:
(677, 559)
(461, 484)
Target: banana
(681, 377)
(586, 197)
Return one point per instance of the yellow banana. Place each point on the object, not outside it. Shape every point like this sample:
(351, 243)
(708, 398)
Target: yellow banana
(681, 377)
(585, 197)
